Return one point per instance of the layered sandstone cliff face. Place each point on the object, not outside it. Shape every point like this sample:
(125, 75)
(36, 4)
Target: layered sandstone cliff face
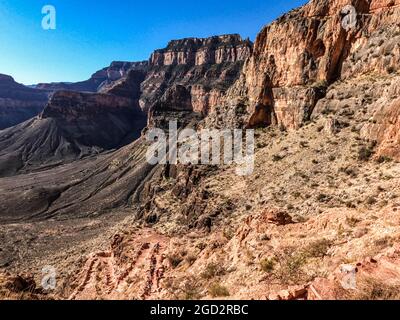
(18, 103)
(194, 51)
(205, 67)
(95, 121)
(78, 124)
(296, 57)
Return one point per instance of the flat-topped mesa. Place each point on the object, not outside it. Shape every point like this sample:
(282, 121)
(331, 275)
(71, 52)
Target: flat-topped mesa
(76, 124)
(200, 51)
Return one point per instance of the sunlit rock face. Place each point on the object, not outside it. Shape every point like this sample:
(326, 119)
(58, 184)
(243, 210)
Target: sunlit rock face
(199, 51)
(205, 67)
(305, 50)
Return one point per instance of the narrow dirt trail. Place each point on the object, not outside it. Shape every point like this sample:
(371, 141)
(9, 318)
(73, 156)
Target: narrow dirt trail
(131, 269)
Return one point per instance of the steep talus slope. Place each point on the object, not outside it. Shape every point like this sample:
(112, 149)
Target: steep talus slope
(83, 188)
(73, 125)
(82, 124)
(18, 103)
(335, 177)
(321, 196)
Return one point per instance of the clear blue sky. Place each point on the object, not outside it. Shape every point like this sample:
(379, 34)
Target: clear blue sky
(92, 33)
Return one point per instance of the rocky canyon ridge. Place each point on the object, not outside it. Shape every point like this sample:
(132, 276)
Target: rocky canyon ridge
(77, 192)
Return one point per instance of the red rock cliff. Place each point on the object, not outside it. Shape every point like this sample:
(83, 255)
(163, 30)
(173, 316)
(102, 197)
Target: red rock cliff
(296, 56)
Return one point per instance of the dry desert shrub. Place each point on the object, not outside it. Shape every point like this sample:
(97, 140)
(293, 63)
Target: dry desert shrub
(289, 266)
(184, 288)
(213, 270)
(373, 289)
(218, 290)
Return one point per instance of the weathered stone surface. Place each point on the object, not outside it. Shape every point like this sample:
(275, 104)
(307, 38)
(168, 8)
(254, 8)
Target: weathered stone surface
(277, 217)
(308, 48)
(72, 125)
(206, 67)
(313, 174)
(101, 78)
(196, 51)
(18, 103)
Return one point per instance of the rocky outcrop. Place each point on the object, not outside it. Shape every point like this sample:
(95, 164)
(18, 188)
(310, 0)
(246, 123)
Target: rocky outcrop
(205, 67)
(278, 217)
(20, 287)
(312, 203)
(101, 78)
(76, 125)
(370, 279)
(71, 106)
(128, 86)
(18, 103)
(377, 48)
(298, 55)
(384, 127)
(174, 105)
(73, 125)
(196, 52)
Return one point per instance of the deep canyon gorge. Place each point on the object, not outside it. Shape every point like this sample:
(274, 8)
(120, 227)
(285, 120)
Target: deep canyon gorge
(77, 193)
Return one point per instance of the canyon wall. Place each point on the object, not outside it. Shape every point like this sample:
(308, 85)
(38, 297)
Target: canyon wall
(17, 102)
(73, 125)
(205, 67)
(196, 52)
(296, 57)
(116, 71)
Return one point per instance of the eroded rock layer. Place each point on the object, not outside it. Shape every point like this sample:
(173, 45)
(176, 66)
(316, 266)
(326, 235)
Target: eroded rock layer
(101, 78)
(73, 125)
(304, 51)
(205, 67)
(18, 103)
(321, 197)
